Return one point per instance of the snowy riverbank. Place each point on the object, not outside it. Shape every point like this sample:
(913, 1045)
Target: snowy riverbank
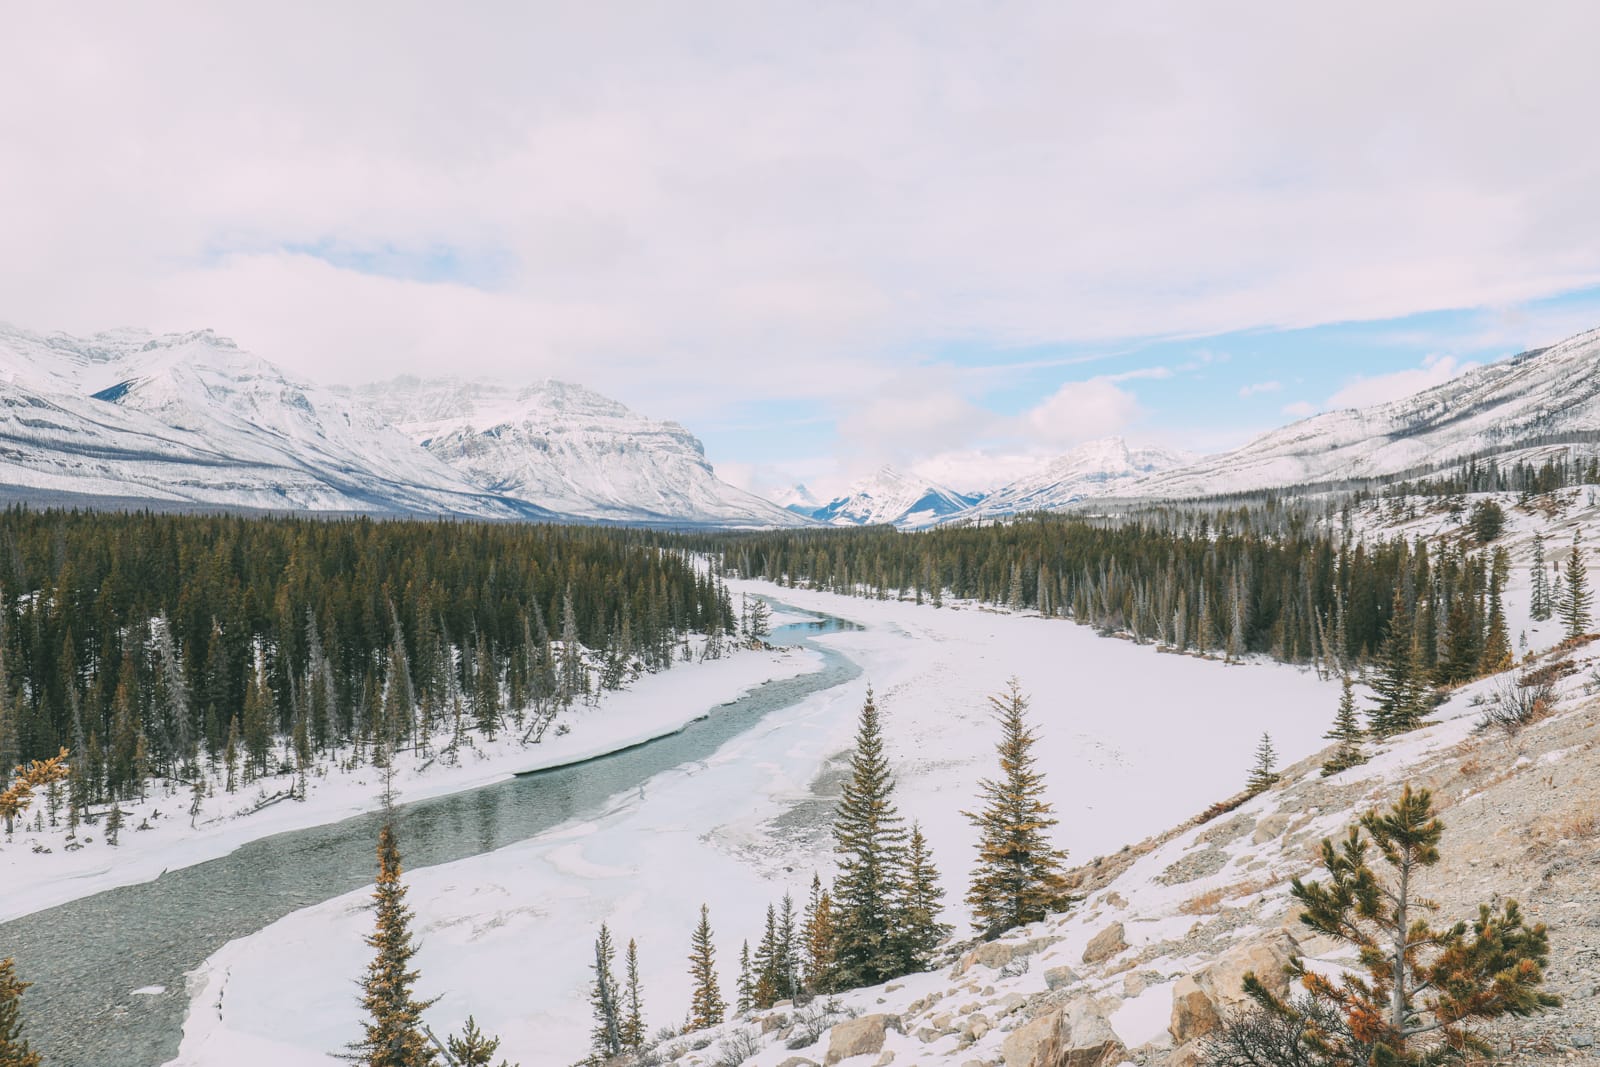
(653, 706)
(743, 827)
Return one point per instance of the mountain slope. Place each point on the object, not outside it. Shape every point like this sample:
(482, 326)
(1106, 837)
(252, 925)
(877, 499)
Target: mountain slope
(1097, 468)
(1545, 396)
(190, 419)
(566, 448)
(889, 497)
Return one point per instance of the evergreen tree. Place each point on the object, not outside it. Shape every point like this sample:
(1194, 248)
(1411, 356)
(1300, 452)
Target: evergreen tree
(1576, 597)
(869, 838)
(788, 951)
(1423, 985)
(606, 1037)
(767, 965)
(394, 1033)
(14, 1051)
(1346, 733)
(1398, 688)
(1497, 638)
(1540, 606)
(819, 940)
(633, 1031)
(747, 981)
(1263, 775)
(920, 929)
(473, 1048)
(706, 1006)
(1018, 879)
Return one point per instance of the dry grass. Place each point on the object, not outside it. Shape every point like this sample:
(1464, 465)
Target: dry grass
(1212, 900)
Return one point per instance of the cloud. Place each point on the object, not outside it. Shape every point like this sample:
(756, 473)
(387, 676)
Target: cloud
(1080, 411)
(1260, 387)
(1300, 409)
(1379, 389)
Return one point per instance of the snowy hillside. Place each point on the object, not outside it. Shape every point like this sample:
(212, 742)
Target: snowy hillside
(889, 497)
(190, 419)
(1097, 468)
(1546, 397)
(568, 449)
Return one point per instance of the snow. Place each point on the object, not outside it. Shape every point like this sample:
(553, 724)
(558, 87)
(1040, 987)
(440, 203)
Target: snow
(889, 497)
(1113, 717)
(1097, 468)
(656, 705)
(1144, 1018)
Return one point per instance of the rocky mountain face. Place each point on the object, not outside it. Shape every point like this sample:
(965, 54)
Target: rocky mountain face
(1098, 468)
(568, 448)
(1525, 403)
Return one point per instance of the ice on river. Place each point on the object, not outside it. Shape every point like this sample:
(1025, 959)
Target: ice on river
(1132, 741)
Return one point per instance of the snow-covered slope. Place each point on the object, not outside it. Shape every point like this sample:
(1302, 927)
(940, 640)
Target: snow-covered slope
(1535, 399)
(888, 496)
(1097, 468)
(190, 419)
(568, 449)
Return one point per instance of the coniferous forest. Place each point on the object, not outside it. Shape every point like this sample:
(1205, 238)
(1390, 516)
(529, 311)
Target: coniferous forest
(144, 643)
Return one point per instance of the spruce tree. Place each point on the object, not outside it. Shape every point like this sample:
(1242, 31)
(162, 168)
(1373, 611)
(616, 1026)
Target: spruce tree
(1397, 687)
(746, 987)
(1264, 774)
(869, 838)
(1497, 638)
(394, 1033)
(14, 1050)
(1540, 607)
(819, 938)
(920, 928)
(1576, 597)
(1423, 985)
(606, 1037)
(767, 964)
(706, 1006)
(1018, 879)
(1346, 732)
(633, 1034)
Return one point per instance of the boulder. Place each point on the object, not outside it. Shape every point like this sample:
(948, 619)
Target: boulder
(769, 1023)
(1078, 1035)
(997, 954)
(859, 1037)
(1059, 977)
(798, 1061)
(1193, 1013)
(1200, 1001)
(1106, 943)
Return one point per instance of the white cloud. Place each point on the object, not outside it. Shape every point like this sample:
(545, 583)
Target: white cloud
(1260, 387)
(1300, 409)
(1379, 389)
(1081, 411)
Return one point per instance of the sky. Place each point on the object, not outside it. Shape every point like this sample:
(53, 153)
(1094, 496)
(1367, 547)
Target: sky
(952, 237)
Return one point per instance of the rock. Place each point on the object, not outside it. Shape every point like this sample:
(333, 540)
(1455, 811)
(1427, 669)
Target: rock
(928, 1035)
(1269, 828)
(859, 1037)
(770, 1023)
(976, 1026)
(1106, 943)
(940, 1022)
(997, 954)
(1078, 1035)
(1133, 984)
(1057, 977)
(1010, 1003)
(1193, 1013)
(798, 1061)
(1190, 1055)
(1582, 1039)
(886, 1059)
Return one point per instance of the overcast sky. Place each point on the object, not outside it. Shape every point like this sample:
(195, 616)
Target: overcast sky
(822, 235)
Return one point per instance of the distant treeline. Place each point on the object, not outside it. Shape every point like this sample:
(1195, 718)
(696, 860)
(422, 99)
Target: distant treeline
(142, 642)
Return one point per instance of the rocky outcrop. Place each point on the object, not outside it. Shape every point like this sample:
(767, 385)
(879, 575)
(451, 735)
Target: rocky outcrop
(860, 1037)
(997, 954)
(1201, 1000)
(1106, 943)
(1077, 1035)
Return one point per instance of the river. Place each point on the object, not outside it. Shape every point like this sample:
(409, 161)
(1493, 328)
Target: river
(87, 957)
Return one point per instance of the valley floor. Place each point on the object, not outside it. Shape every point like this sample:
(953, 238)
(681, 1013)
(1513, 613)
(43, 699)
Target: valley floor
(507, 936)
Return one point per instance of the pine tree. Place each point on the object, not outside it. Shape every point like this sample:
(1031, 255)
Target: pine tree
(1398, 688)
(230, 754)
(394, 1033)
(920, 929)
(869, 838)
(633, 1033)
(747, 981)
(606, 1037)
(819, 940)
(788, 952)
(1540, 607)
(1423, 985)
(1263, 775)
(767, 965)
(706, 1007)
(14, 1050)
(1576, 597)
(1497, 638)
(1346, 732)
(473, 1048)
(1018, 879)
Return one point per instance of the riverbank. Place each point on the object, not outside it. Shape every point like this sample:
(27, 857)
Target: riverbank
(39, 870)
(1113, 716)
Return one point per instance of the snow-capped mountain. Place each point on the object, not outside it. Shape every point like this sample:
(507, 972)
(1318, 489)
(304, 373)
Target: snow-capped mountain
(568, 449)
(796, 498)
(1097, 468)
(889, 497)
(1528, 403)
(191, 419)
